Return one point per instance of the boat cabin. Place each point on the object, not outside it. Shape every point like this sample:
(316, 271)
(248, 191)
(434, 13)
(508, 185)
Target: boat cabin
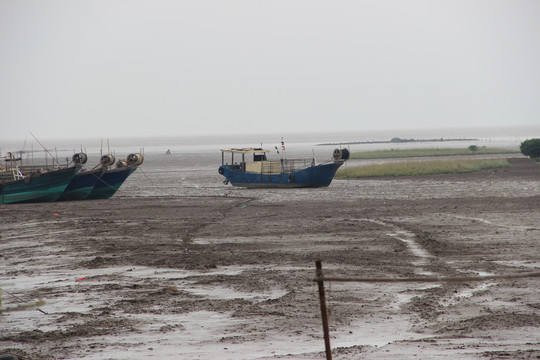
(240, 159)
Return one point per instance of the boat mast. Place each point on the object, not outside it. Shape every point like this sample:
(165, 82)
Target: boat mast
(55, 159)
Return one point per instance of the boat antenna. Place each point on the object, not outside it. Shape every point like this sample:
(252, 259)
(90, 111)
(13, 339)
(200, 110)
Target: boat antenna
(24, 144)
(56, 154)
(44, 148)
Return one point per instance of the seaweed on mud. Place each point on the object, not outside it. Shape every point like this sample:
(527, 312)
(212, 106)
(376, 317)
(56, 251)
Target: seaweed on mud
(511, 355)
(495, 321)
(99, 262)
(87, 329)
(426, 306)
(18, 354)
(428, 242)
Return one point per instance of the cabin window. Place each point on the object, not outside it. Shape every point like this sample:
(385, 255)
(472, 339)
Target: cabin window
(259, 157)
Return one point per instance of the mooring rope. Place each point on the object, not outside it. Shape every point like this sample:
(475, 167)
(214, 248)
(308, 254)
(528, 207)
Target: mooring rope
(429, 279)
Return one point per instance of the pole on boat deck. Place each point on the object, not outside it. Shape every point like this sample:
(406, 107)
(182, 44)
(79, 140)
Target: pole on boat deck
(322, 298)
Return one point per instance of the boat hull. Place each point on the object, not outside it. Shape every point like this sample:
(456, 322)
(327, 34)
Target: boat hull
(310, 177)
(109, 182)
(44, 187)
(81, 185)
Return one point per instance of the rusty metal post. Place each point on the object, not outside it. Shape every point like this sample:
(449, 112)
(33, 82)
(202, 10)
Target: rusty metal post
(324, 316)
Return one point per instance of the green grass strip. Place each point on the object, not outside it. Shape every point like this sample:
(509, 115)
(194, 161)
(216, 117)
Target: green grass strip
(393, 153)
(416, 168)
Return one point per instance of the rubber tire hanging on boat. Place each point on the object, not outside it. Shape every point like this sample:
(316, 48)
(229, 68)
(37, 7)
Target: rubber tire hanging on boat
(341, 154)
(337, 154)
(135, 159)
(107, 160)
(79, 158)
(221, 171)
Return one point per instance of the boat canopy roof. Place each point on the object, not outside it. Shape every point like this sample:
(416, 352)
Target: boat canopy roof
(245, 150)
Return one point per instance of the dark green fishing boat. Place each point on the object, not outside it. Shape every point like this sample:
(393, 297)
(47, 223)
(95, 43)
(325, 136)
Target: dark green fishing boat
(84, 181)
(41, 185)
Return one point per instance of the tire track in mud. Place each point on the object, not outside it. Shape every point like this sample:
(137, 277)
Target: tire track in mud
(407, 237)
(430, 299)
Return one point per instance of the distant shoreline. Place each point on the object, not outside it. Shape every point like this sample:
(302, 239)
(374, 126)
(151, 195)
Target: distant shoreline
(395, 140)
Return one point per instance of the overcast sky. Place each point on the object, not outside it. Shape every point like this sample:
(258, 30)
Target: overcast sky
(135, 68)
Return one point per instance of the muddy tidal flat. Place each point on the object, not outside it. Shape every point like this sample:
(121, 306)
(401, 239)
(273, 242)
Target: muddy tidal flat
(214, 272)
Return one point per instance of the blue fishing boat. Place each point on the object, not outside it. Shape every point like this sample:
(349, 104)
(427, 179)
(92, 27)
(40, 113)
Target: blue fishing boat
(112, 178)
(250, 168)
(81, 185)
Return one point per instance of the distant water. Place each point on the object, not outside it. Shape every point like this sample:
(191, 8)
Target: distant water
(191, 169)
(296, 144)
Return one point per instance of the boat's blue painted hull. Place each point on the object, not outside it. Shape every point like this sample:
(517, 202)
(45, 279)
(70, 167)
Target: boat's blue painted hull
(313, 176)
(42, 188)
(81, 185)
(110, 182)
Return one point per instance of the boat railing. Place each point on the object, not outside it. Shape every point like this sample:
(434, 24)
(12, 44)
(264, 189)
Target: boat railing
(11, 175)
(292, 165)
(286, 165)
(26, 169)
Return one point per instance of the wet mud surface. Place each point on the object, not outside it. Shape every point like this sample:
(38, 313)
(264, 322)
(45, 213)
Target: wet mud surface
(228, 273)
